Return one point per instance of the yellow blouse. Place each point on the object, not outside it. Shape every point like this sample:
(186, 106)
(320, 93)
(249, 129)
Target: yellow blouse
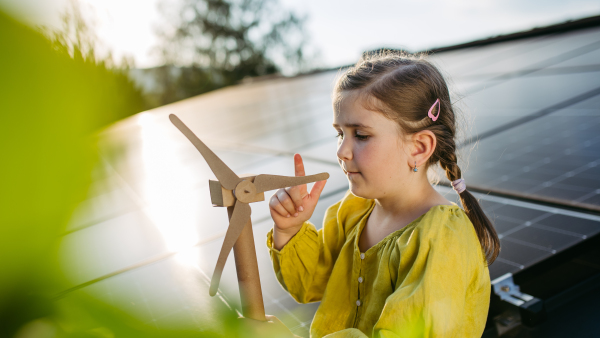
(428, 279)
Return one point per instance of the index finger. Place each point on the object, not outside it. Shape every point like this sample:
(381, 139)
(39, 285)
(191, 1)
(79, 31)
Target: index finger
(299, 165)
(299, 168)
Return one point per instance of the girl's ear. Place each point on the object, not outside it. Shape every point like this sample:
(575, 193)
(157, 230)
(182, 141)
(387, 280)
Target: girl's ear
(422, 145)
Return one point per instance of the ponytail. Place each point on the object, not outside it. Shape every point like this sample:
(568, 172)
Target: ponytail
(488, 238)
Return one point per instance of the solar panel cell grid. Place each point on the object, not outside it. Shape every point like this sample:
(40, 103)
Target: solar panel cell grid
(585, 60)
(462, 62)
(547, 51)
(166, 295)
(555, 156)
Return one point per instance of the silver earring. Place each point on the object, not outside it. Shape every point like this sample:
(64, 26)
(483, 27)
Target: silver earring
(415, 168)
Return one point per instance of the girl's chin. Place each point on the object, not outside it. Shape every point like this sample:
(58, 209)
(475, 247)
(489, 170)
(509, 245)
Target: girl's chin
(356, 191)
(359, 190)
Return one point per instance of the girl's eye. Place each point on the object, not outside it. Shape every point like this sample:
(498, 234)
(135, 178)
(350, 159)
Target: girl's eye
(359, 137)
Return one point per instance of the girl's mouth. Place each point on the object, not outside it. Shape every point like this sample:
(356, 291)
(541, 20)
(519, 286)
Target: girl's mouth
(351, 173)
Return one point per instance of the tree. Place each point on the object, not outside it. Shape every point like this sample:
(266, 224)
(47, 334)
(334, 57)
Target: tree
(76, 39)
(216, 43)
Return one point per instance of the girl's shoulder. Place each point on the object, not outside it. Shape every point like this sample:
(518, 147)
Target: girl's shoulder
(445, 221)
(444, 226)
(450, 216)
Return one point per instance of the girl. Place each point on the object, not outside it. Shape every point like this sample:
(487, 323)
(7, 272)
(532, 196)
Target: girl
(394, 257)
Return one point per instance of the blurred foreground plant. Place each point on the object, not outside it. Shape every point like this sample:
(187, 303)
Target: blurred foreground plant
(50, 103)
(76, 38)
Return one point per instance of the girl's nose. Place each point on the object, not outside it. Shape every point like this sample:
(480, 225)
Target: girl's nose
(344, 151)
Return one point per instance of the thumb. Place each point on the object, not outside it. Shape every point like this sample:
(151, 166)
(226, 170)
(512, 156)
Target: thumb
(317, 189)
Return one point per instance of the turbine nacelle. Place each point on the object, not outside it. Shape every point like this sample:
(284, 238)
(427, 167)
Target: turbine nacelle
(221, 197)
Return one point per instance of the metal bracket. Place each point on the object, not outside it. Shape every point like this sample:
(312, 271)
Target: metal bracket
(508, 291)
(531, 308)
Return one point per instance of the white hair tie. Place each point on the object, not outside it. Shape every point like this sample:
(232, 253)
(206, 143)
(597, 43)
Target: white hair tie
(459, 185)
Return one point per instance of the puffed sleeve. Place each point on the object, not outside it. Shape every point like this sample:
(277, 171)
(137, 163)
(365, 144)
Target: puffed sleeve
(304, 264)
(442, 286)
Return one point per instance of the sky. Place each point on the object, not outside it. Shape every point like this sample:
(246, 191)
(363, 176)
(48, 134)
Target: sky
(340, 30)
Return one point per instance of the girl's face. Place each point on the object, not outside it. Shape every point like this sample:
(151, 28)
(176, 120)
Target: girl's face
(370, 150)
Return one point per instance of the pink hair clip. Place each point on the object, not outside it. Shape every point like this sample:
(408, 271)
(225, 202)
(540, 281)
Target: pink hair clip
(431, 109)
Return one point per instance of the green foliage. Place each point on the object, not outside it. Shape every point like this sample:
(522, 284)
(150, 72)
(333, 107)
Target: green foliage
(216, 43)
(50, 104)
(76, 39)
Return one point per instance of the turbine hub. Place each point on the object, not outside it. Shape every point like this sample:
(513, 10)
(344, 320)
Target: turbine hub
(245, 191)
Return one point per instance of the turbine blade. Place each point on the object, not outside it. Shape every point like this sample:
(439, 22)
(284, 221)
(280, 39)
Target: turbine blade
(270, 182)
(239, 218)
(226, 176)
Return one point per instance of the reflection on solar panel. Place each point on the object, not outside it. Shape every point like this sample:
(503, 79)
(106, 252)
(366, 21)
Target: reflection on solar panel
(147, 238)
(556, 157)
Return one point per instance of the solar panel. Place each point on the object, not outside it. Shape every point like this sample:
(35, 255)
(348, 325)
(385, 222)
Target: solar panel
(458, 63)
(168, 294)
(544, 52)
(587, 59)
(555, 156)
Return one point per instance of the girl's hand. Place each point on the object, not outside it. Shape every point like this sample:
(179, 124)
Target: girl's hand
(272, 328)
(290, 207)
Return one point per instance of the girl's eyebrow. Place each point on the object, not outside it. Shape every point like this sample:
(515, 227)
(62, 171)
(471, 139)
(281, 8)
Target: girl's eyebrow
(353, 125)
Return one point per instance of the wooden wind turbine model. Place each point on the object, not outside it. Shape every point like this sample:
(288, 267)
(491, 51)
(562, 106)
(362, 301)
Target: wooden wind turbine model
(236, 193)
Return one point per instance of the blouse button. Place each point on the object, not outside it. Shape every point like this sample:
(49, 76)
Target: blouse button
(358, 302)
(362, 256)
(360, 280)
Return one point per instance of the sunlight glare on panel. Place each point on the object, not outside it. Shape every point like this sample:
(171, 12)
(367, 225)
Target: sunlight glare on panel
(165, 179)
